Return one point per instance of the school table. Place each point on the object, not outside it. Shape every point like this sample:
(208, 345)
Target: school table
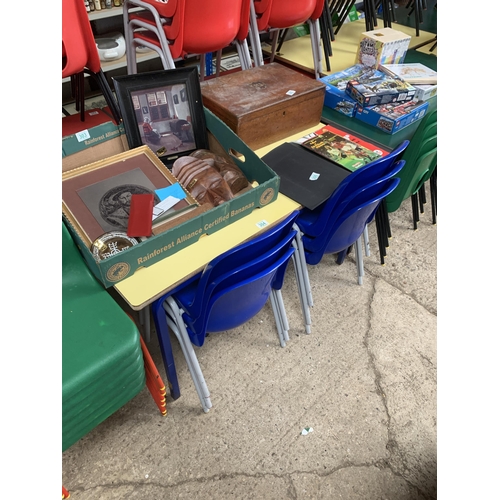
(148, 284)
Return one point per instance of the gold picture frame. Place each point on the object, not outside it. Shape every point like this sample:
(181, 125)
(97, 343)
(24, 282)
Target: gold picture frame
(95, 197)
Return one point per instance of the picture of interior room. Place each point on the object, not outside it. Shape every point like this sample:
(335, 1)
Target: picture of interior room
(164, 119)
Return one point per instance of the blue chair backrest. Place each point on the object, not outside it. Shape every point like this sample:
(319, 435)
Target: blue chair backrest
(236, 297)
(351, 194)
(244, 299)
(233, 276)
(313, 222)
(349, 220)
(192, 297)
(247, 268)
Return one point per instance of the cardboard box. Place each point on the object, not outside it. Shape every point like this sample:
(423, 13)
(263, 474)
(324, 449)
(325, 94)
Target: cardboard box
(423, 78)
(98, 133)
(122, 265)
(382, 46)
(392, 117)
(336, 83)
(379, 88)
(414, 73)
(71, 124)
(265, 104)
(425, 92)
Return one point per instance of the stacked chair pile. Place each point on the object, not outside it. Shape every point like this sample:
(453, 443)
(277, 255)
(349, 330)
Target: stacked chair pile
(232, 289)
(80, 57)
(102, 359)
(420, 167)
(178, 28)
(340, 222)
(268, 16)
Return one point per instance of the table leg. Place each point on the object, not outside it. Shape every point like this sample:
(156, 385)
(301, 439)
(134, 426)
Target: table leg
(163, 334)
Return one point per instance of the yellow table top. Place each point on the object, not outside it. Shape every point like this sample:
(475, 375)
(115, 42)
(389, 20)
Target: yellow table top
(150, 283)
(298, 52)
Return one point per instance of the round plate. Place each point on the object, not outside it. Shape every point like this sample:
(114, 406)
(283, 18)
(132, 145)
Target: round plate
(110, 244)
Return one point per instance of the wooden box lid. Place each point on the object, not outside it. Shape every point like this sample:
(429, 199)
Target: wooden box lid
(251, 91)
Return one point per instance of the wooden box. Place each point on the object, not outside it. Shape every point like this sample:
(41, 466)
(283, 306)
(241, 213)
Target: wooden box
(265, 104)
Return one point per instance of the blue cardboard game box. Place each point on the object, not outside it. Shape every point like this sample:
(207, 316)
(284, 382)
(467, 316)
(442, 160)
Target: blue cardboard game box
(379, 88)
(392, 117)
(335, 95)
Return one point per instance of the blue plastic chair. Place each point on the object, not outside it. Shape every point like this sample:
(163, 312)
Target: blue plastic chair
(354, 207)
(232, 289)
(246, 252)
(313, 222)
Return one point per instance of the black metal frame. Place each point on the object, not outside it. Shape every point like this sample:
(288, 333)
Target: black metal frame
(188, 77)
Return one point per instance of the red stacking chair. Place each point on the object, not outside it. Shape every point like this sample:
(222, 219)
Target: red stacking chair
(274, 15)
(186, 27)
(80, 56)
(157, 25)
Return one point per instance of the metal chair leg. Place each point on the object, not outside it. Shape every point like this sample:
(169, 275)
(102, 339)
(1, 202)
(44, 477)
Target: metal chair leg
(422, 199)
(380, 238)
(385, 213)
(414, 206)
(162, 332)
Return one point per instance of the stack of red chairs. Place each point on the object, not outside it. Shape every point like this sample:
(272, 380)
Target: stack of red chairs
(274, 15)
(179, 28)
(80, 56)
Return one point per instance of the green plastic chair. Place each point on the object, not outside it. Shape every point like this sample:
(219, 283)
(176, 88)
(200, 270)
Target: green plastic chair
(102, 358)
(419, 198)
(420, 166)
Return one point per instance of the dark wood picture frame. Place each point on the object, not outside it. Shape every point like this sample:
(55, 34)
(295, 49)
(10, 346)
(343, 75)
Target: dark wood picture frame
(154, 114)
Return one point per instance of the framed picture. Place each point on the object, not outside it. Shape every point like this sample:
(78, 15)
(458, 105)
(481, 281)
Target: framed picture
(96, 198)
(163, 110)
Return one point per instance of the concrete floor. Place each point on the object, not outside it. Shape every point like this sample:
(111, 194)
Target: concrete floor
(364, 380)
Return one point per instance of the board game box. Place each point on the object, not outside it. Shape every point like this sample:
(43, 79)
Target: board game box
(424, 79)
(346, 150)
(414, 73)
(425, 92)
(382, 46)
(392, 117)
(336, 83)
(379, 88)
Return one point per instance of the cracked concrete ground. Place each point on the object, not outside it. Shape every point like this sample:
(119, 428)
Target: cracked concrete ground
(364, 380)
